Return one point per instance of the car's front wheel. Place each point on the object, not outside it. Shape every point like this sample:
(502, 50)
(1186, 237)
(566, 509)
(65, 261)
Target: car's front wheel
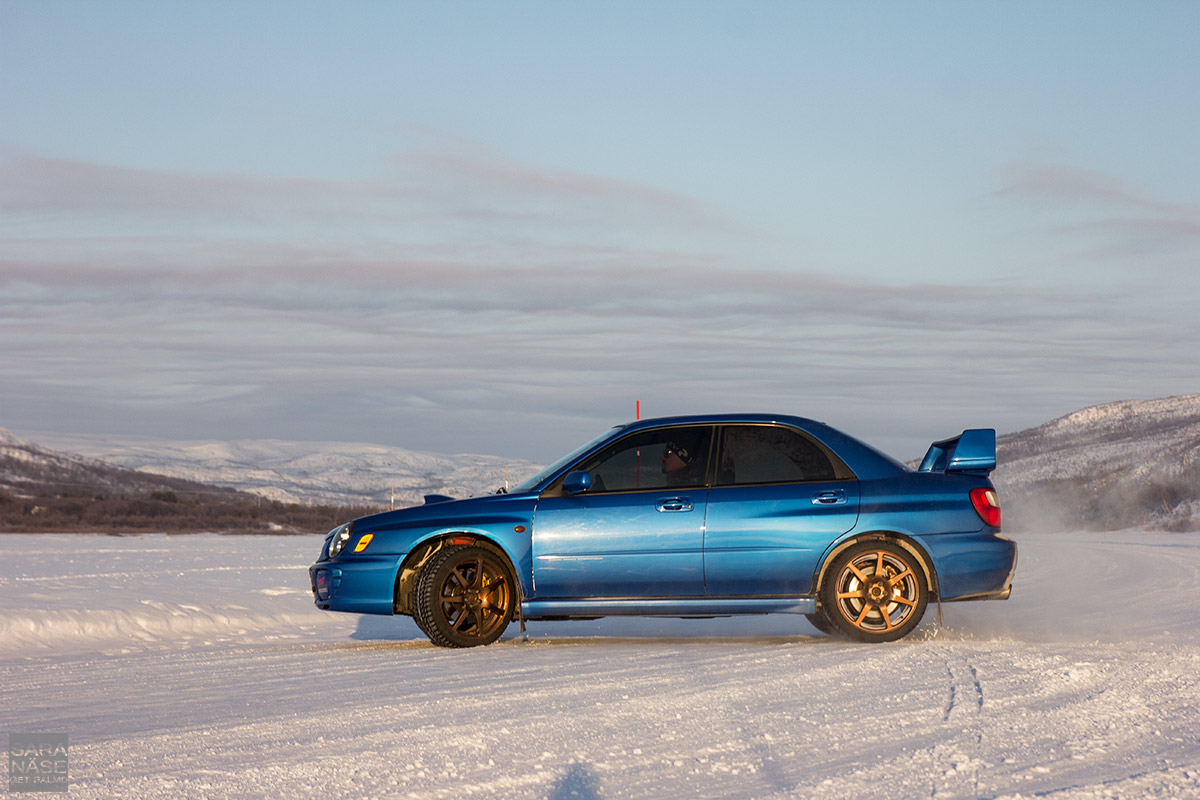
(465, 597)
(875, 592)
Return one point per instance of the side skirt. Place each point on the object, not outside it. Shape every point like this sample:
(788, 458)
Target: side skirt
(666, 607)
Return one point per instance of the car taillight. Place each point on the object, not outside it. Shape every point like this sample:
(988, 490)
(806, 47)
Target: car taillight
(987, 505)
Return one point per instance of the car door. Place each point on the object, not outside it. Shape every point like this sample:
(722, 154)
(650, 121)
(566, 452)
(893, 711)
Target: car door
(778, 499)
(638, 531)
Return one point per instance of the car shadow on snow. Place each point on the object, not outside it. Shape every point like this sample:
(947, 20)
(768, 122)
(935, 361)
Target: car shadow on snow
(784, 629)
(777, 629)
(577, 783)
(392, 631)
(373, 627)
(326, 647)
(609, 640)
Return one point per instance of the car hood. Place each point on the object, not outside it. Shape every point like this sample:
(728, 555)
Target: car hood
(488, 506)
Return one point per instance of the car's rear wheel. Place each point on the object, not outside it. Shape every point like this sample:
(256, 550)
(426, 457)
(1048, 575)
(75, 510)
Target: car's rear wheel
(465, 597)
(875, 592)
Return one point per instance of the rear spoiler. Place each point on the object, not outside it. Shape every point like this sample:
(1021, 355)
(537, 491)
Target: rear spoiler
(972, 451)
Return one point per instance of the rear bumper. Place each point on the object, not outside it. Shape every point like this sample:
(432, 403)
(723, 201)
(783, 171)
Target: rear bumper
(972, 566)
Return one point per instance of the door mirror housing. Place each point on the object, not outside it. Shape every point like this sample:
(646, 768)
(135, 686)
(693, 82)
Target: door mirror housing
(577, 482)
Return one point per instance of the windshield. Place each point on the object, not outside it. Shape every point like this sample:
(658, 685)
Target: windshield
(528, 484)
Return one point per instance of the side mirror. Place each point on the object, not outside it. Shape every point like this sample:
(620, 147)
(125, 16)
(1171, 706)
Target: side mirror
(577, 482)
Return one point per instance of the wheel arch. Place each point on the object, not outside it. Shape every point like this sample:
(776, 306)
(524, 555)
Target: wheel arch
(410, 567)
(907, 543)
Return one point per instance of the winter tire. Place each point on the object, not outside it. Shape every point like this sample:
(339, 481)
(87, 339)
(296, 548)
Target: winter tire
(465, 597)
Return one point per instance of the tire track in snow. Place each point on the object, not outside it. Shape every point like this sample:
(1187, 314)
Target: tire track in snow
(966, 693)
(964, 705)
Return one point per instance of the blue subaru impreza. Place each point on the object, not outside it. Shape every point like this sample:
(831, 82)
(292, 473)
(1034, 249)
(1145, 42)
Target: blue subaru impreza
(690, 517)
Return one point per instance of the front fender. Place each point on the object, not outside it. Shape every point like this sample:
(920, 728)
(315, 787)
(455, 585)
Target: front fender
(516, 549)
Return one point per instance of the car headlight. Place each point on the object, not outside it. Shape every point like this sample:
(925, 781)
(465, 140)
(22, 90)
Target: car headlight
(341, 535)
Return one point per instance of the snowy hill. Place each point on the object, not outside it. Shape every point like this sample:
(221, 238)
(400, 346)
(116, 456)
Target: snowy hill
(304, 472)
(28, 469)
(1122, 464)
(46, 490)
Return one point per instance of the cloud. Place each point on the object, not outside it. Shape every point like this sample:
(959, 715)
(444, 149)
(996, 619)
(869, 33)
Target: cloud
(280, 347)
(561, 185)
(464, 302)
(679, 294)
(1069, 183)
(418, 197)
(32, 185)
(1099, 204)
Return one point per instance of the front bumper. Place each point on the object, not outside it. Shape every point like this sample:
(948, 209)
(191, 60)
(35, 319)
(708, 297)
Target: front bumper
(360, 584)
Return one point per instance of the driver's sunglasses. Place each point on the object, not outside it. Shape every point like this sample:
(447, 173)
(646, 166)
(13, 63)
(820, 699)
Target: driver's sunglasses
(674, 449)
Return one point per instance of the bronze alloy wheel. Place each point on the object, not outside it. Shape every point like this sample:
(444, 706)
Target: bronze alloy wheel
(875, 592)
(465, 597)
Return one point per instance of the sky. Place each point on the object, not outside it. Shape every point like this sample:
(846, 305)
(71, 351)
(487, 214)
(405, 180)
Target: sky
(498, 227)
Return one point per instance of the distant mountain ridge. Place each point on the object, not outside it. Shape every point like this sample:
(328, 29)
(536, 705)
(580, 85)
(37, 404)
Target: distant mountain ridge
(305, 472)
(44, 490)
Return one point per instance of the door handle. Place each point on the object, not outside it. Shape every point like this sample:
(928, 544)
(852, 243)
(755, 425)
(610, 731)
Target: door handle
(674, 504)
(834, 497)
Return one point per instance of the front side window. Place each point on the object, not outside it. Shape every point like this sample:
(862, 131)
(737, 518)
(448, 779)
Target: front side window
(658, 459)
(753, 454)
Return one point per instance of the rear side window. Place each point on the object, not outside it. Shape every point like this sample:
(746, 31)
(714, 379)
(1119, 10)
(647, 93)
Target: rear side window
(751, 454)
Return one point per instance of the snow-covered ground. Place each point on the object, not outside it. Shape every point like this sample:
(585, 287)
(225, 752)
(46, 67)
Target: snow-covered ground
(197, 667)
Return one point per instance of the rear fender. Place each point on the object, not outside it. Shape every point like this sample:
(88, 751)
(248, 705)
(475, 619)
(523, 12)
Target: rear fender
(912, 547)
